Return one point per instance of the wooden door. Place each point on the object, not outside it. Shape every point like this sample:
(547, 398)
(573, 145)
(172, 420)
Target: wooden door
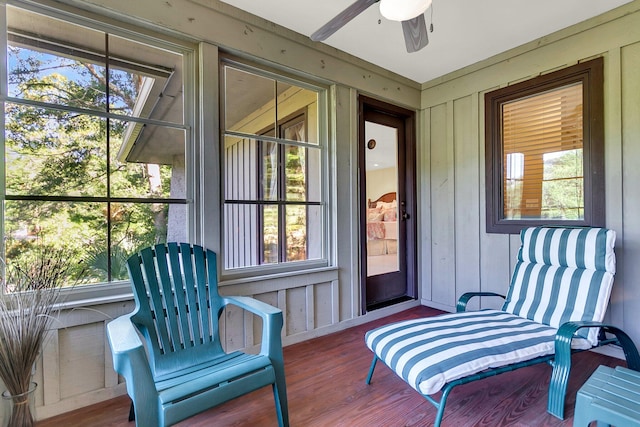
(387, 171)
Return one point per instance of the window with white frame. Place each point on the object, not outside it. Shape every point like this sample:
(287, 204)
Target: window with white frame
(95, 142)
(273, 210)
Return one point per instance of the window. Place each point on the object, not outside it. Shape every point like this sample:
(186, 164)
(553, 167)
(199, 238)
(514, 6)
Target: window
(545, 151)
(273, 211)
(94, 144)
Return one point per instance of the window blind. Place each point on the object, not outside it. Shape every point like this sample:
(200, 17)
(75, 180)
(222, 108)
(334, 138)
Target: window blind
(542, 137)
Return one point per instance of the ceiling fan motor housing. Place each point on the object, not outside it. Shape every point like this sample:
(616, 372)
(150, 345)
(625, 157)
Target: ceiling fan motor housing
(403, 10)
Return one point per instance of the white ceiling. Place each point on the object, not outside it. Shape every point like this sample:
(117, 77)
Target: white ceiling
(465, 31)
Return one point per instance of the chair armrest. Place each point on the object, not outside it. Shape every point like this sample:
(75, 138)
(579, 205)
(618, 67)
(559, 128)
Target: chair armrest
(562, 359)
(464, 299)
(567, 331)
(272, 323)
(123, 336)
(253, 305)
(130, 361)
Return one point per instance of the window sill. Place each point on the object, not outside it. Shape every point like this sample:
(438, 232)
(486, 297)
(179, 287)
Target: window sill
(278, 276)
(92, 295)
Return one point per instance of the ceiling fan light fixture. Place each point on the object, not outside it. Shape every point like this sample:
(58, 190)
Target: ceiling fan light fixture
(403, 10)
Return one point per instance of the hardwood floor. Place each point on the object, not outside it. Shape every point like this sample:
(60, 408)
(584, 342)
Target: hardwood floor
(326, 387)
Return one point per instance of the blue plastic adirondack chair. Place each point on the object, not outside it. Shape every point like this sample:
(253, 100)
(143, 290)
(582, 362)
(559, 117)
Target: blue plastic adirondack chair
(555, 305)
(179, 368)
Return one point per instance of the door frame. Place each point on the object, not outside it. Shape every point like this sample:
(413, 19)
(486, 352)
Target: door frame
(365, 104)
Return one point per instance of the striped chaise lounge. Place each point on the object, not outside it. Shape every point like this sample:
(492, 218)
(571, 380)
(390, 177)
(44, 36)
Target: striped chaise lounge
(554, 306)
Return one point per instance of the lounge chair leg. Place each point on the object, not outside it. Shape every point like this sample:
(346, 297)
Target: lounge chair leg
(373, 366)
(558, 389)
(440, 406)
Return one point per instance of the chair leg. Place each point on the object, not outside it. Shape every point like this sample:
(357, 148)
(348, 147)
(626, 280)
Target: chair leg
(373, 366)
(560, 373)
(440, 406)
(280, 397)
(281, 407)
(558, 388)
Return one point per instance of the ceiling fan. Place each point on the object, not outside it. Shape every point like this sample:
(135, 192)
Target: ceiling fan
(409, 12)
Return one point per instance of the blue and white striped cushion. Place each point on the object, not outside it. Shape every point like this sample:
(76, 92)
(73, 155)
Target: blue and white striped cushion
(430, 352)
(589, 248)
(563, 275)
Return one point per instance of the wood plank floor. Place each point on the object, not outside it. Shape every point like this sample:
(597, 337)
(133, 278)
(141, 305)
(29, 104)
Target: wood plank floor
(326, 387)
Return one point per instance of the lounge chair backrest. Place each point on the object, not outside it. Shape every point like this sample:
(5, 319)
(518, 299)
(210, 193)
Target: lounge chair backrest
(563, 274)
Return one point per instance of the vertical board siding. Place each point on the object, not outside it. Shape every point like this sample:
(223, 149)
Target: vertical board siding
(613, 183)
(296, 321)
(51, 366)
(310, 308)
(234, 327)
(442, 206)
(494, 248)
(344, 209)
(467, 178)
(424, 205)
(630, 249)
(81, 351)
(322, 303)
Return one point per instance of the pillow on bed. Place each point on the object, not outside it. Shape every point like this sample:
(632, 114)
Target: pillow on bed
(384, 205)
(375, 215)
(390, 214)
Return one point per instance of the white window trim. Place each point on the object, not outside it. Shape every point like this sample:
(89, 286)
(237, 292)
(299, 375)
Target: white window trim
(266, 271)
(100, 293)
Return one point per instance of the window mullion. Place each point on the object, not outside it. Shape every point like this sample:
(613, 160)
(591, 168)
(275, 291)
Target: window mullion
(282, 210)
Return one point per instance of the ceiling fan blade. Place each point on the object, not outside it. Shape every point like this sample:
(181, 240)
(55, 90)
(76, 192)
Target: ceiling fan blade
(415, 33)
(341, 19)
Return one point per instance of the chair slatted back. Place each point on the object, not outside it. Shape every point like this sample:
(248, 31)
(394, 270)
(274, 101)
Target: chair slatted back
(563, 274)
(177, 304)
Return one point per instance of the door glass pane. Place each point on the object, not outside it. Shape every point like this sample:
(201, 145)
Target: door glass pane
(382, 205)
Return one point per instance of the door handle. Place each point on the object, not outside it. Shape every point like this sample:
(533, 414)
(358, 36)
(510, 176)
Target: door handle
(405, 215)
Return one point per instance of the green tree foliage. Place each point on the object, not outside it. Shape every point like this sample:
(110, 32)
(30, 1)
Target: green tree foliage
(60, 154)
(563, 188)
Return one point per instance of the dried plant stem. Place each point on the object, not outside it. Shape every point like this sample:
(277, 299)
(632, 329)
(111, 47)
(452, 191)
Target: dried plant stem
(25, 319)
(27, 307)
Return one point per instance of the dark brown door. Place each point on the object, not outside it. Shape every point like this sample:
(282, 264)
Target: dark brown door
(387, 177)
